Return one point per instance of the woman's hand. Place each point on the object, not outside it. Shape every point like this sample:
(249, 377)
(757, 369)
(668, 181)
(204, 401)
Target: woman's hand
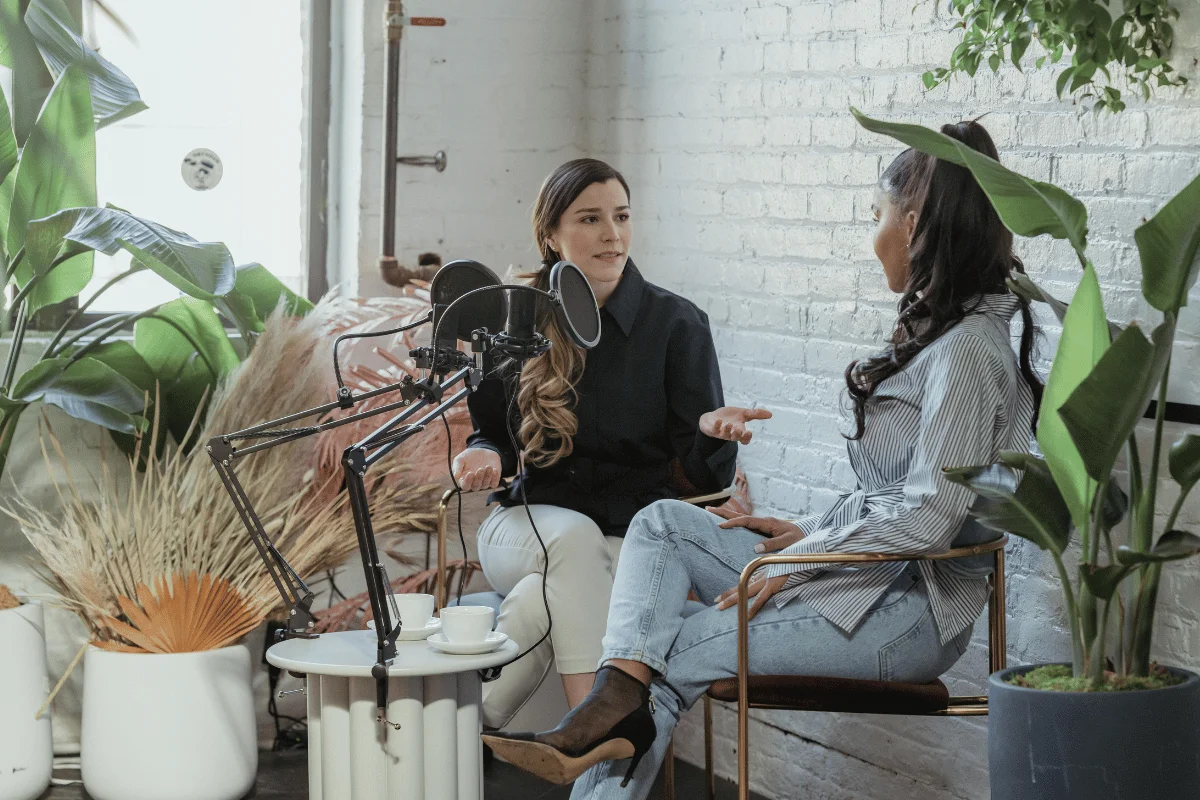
(760, 591)
(728, 423)
(477, 468)
(781, 533)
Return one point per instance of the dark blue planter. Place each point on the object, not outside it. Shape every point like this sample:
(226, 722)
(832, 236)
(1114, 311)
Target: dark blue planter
(1093, 745)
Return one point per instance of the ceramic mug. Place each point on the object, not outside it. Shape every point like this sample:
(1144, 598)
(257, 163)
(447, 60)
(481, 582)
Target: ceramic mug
(467, 624)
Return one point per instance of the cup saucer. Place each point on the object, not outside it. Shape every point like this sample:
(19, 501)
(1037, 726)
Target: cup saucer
(493, 640)
(414, 634)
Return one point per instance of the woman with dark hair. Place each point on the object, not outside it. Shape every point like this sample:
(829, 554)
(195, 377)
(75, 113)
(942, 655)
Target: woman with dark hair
(592, 439)
(946, 391)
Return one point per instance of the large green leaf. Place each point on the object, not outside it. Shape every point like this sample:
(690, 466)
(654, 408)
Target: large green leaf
(265, 291)
(11, 28)
(1171, 546)
(1025, 287)
(86, 389)
(200, 269)
(189, 351)
(124, 359)
(1084, 341)
(1184, 461)
(1018, 496)
(1103, 410)
(1168, 245)
(1103, 581)
(114, 96)
(8, 141)
(1027, 207)
(6, 193)
(57, 171)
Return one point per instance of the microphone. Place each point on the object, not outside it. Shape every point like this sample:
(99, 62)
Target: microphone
(468, 297)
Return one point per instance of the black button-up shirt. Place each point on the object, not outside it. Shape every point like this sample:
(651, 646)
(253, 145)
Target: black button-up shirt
(643, 389)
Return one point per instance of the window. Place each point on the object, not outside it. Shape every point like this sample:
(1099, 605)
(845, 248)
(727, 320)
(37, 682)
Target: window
(226, 75)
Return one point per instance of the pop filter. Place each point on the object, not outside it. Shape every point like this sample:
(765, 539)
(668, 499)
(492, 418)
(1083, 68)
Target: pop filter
(575, 304)
(484, 310)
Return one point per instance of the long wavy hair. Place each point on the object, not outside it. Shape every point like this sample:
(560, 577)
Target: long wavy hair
(960, 250)
(546, 397)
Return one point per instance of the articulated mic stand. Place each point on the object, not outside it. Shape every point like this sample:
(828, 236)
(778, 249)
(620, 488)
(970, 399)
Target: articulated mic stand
(575, 308)
(428, 396)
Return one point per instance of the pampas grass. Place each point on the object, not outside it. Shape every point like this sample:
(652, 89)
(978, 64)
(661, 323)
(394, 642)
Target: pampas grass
(173, 517)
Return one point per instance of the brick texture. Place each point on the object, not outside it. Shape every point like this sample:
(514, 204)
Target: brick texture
(752, 187)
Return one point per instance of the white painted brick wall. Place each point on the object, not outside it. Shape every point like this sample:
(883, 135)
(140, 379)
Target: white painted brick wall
(500, 88)
(769, 230)
(752, 185)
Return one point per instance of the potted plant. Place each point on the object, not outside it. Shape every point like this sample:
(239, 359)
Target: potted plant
(26, 743)
(165, 577)
(1111, 723)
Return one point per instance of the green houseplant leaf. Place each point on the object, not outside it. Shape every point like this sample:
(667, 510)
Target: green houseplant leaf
(1104, 409)
(1184, 461)
(200, 269)
(1171, 546)
(1018, 496)
(8, 142)
(1027, 207)
(86, 389)
(265, 291)
(1167, 245)
(1103, 581)
(114, 97)
(1024, 286)
(57, 171)
(1084, 340)
(186, 346)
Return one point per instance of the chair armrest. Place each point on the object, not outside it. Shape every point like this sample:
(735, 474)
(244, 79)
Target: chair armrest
(709, 499)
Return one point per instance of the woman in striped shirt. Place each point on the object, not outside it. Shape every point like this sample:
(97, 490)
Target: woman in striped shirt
(947, 391)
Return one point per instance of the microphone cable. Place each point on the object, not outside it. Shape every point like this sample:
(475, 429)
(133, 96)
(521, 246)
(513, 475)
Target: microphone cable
(337, 371)
(491, 673)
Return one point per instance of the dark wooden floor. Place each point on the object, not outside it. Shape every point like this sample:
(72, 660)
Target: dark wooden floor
(284, 776)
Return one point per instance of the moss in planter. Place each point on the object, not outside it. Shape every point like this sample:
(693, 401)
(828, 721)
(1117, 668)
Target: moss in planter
(1058, 678)
(7, 599)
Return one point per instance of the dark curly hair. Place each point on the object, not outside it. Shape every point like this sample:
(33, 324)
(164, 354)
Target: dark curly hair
(960, 250)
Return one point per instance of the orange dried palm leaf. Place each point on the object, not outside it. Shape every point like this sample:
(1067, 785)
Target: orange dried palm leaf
(189, 614)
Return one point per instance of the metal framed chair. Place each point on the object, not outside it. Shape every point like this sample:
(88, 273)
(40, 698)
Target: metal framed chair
(801, 693)
(441, 595)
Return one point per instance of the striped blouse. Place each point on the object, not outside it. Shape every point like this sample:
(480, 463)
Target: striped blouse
(958, 403)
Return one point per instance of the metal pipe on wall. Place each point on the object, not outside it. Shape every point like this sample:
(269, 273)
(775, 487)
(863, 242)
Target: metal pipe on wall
(394, 22)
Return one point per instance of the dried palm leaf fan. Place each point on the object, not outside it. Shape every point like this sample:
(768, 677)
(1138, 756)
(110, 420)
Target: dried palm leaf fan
(116, 530)
(186, 615)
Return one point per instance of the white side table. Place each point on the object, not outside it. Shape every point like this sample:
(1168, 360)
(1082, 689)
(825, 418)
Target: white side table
(436, 698)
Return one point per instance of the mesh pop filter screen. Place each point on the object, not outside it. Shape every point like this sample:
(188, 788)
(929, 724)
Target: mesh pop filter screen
(578, 312)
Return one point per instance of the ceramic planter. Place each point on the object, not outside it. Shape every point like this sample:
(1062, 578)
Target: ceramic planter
(26, 744)
(176, 726)
(1138, 745)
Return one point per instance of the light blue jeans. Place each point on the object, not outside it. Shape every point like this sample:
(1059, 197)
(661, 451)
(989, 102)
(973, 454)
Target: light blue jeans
(672, 547)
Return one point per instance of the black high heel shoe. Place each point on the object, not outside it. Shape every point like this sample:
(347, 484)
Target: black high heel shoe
(614, 721)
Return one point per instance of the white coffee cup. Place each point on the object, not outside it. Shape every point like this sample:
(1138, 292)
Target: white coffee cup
(415, 610)
(467, 624)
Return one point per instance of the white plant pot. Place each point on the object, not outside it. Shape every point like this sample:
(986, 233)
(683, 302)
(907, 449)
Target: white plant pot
(177, 726)
(26, 744)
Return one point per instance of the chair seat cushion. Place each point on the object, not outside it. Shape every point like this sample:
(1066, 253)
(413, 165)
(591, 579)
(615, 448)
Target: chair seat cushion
(804, 693)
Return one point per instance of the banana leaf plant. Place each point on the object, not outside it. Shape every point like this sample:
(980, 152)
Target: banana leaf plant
(1100, 385)
(50, 229)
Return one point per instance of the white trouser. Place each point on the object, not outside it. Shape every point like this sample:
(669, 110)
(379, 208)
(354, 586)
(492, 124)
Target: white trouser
(578, 586)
